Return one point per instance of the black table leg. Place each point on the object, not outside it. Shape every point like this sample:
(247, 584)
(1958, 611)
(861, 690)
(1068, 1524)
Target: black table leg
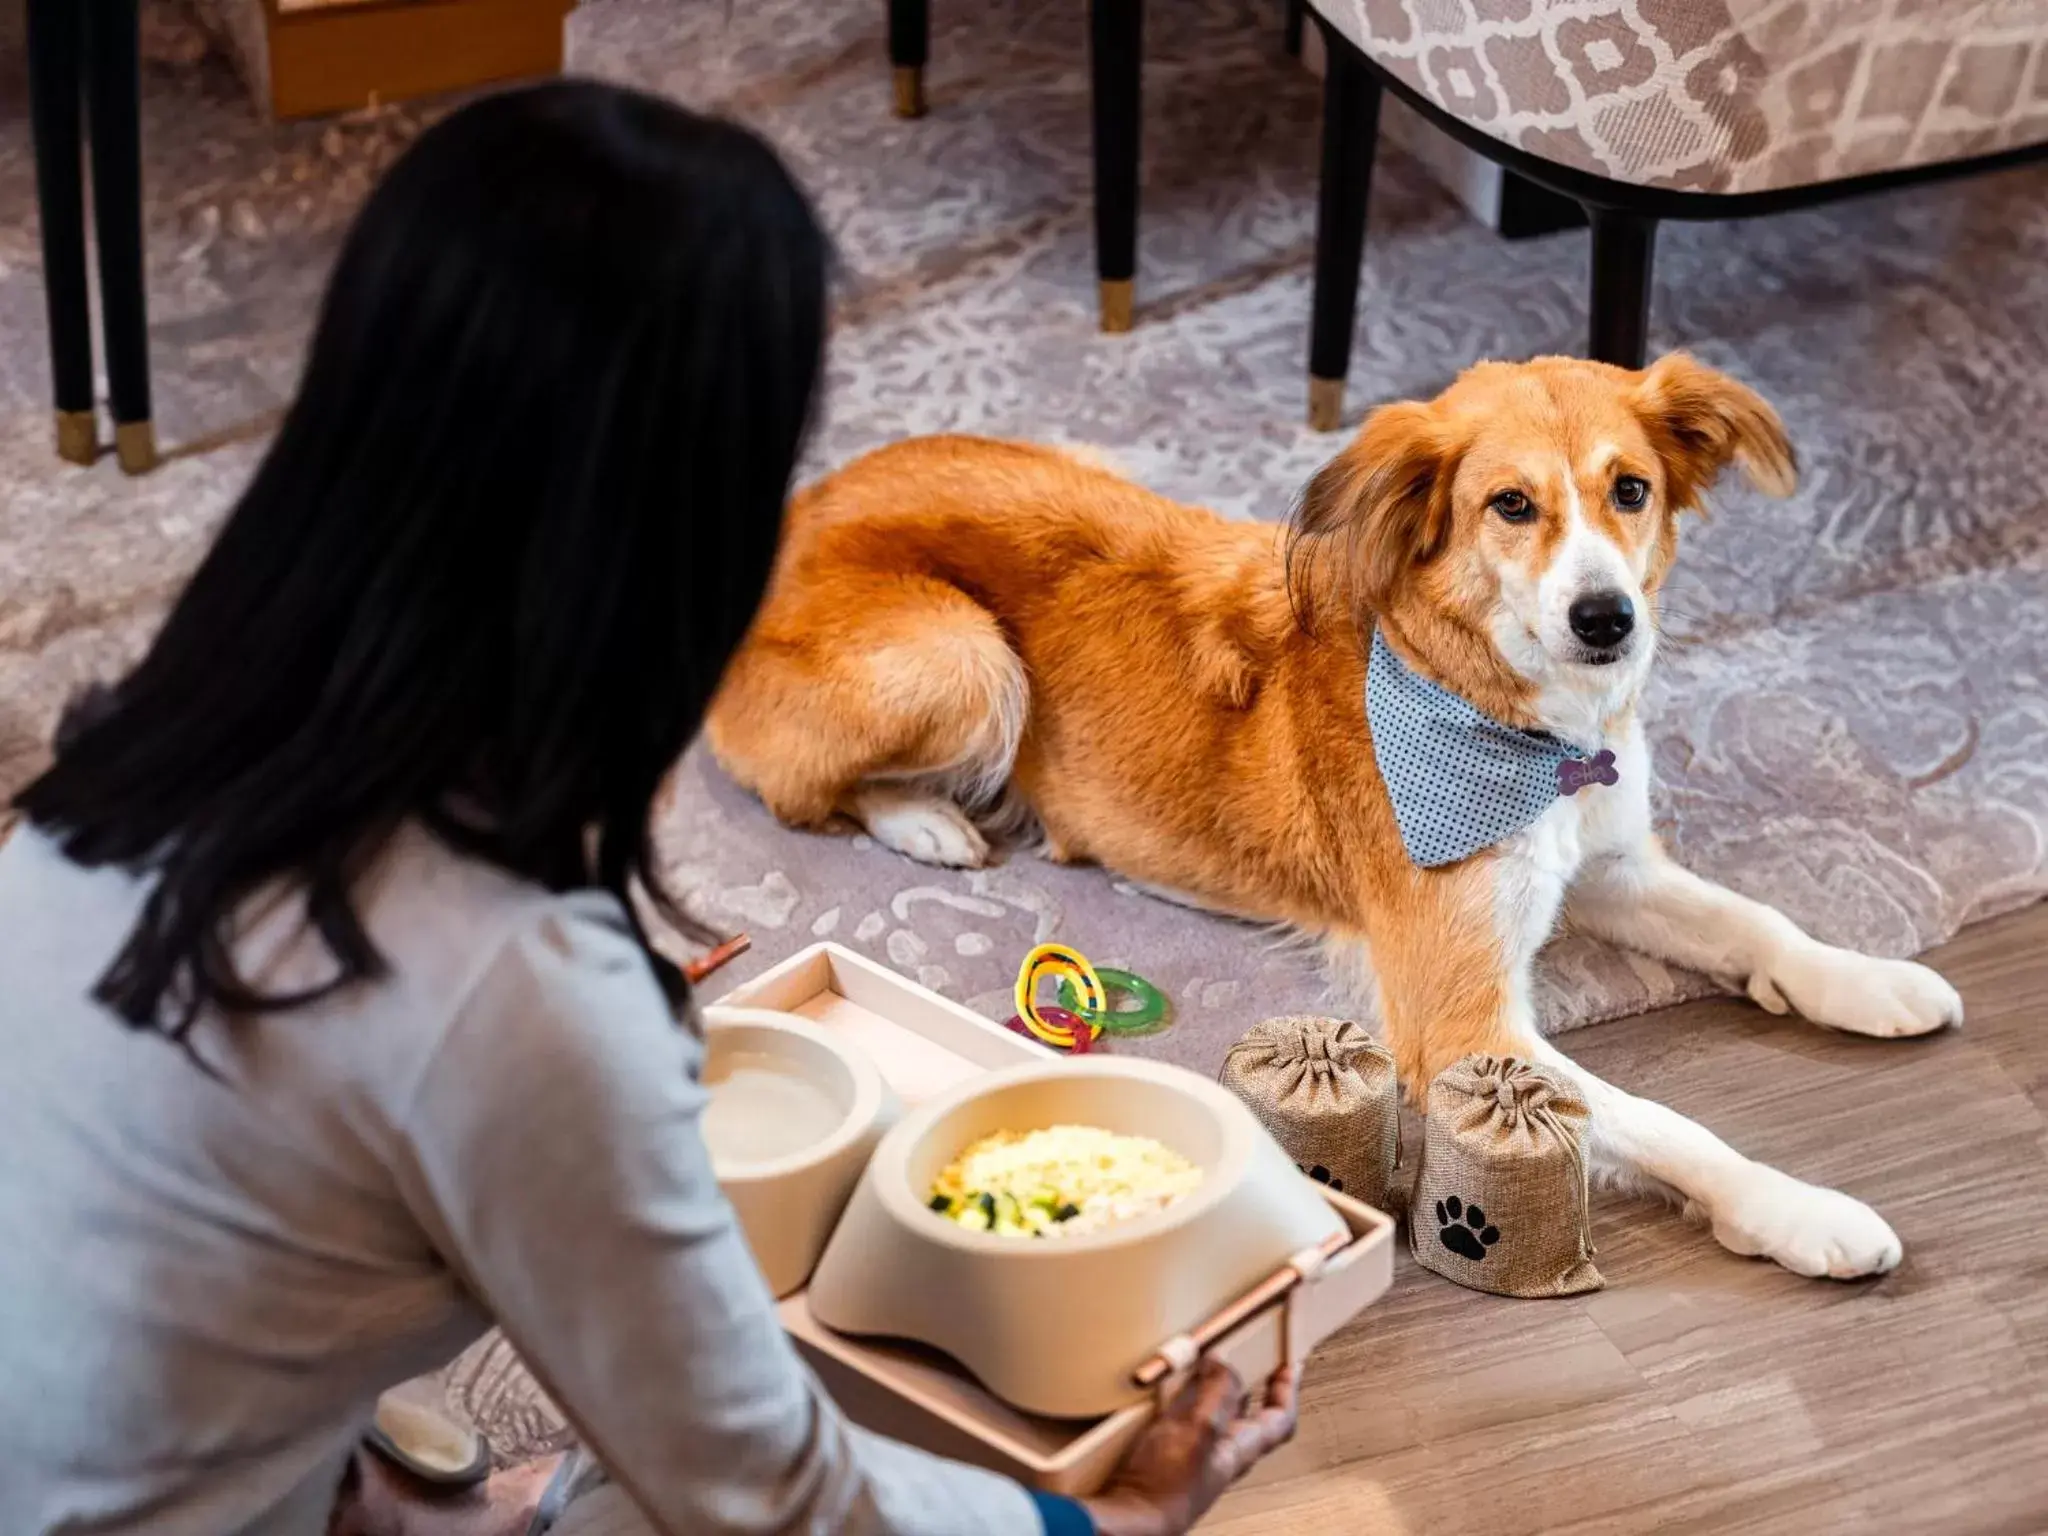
(1623, 244)
(114, 88)
(1297, 13)
(910, 29)
(1351, 117)
(56, 58)
(1117, 38)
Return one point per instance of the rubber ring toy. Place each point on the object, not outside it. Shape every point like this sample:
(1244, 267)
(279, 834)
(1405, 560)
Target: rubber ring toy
(1149, 1014)
(1078, 1037)
(1058, 960)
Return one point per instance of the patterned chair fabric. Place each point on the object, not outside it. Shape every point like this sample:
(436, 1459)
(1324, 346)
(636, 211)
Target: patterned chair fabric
(1722, 95)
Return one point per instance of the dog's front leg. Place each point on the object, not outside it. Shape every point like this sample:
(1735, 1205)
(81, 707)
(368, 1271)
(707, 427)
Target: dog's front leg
(1452, 953)
(1629, 892)
(1637, 897)
(1452, 980)
(1754, 1209)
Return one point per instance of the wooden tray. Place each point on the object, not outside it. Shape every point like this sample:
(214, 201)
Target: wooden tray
(925, 1044)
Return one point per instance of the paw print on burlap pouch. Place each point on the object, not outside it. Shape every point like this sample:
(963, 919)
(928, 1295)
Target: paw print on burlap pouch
(1463, 1228)
(1323, 1175)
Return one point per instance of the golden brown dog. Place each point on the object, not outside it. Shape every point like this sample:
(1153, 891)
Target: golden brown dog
(1181, 698)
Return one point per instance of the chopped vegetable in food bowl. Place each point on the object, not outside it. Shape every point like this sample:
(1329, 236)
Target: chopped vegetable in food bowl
(1061, 1181)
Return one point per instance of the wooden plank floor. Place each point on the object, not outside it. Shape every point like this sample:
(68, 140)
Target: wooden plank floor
(1703, 1392)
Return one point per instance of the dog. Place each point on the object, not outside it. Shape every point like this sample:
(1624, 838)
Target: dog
(1184, 699)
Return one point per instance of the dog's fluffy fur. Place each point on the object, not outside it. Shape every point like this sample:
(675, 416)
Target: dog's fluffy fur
(1181, 698)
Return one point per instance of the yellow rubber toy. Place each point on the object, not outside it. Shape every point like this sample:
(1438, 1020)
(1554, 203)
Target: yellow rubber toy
(1057, 960)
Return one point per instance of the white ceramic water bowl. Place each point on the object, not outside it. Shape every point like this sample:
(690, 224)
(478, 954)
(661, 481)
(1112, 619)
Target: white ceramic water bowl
(1056, 1325)
(794, 1117)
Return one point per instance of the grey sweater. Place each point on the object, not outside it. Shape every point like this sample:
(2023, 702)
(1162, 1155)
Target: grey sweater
(204, 1284)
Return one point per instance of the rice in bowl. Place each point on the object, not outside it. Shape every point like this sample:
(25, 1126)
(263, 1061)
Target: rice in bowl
(1062, 1181)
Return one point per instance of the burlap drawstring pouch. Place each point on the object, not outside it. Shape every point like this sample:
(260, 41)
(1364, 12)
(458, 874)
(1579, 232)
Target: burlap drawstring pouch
(1502, 1202)
(1326, 1090)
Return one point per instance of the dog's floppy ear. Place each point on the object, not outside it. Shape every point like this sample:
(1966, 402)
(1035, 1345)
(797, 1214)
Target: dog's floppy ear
(1700, 421)
(1386, 499)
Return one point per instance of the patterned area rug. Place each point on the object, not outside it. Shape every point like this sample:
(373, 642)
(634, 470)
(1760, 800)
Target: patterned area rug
(1850, 720)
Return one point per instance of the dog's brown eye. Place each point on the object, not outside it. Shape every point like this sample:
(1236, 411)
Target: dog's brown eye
(1513, 506)
(1630, 492)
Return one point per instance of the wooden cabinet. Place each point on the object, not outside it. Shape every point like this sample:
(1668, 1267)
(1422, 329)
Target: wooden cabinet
(304, 58)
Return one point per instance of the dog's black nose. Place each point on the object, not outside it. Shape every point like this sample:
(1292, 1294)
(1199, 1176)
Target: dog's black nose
(1603, 619)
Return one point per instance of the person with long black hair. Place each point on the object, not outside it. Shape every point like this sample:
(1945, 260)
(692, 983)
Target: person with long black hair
(330, 1034)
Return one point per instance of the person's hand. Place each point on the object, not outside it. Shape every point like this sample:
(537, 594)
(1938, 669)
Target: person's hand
(1207, 1439)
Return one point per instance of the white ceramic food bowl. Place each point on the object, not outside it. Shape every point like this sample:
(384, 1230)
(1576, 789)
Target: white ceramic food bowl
(1056, 1325)
(789, 1155)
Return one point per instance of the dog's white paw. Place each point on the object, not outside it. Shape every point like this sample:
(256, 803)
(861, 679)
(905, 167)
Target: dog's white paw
(1808, 1229)
(922, 827)
(1844, 990)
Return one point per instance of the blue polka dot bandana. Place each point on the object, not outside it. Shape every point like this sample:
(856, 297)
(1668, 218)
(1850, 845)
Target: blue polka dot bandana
(1459, 779)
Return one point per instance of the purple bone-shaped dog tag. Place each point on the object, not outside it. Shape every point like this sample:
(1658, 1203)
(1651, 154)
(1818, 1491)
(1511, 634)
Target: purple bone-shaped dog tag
(1574, 774)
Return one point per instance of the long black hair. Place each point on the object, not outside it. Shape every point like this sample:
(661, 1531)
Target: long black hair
(513, 526)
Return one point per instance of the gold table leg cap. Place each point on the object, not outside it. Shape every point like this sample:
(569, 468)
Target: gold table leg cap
(78, 436)
(1119, 302)
(135, 446)
(1325, 404)
(910, 90)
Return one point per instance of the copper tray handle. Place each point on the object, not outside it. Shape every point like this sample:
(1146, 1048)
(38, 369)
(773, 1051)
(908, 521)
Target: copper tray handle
(1159, 1366)
(696, 970)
